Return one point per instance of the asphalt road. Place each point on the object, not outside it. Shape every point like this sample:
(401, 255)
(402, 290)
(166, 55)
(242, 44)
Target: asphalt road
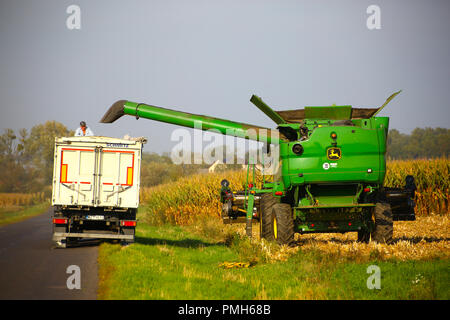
(30, 268)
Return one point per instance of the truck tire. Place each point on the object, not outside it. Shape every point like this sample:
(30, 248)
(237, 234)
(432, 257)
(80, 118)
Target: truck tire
(59, 242)
(283, 223)
(384, 225)
(128, 231)
(265, 221)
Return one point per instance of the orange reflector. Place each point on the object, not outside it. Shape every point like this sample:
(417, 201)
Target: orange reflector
(59, 221)
(129, 176)
(63, 173)
(128, 223)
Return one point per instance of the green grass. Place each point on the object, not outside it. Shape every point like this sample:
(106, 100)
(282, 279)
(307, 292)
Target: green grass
(11, 214)
(172, 262)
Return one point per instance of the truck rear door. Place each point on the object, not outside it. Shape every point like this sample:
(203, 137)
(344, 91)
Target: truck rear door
(77, 168)
(117, 184)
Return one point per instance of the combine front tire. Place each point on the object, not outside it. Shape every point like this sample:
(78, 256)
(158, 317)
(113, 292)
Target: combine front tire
(265, 223)
(283, 223)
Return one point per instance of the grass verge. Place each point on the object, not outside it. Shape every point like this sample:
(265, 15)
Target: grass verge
(11, 214)
(173, 262)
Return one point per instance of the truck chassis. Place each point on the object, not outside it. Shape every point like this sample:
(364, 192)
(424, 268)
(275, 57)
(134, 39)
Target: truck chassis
(71, 224)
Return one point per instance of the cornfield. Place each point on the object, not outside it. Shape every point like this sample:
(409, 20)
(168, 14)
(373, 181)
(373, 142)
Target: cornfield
(432, 181)
(198, 195)
(21, 199)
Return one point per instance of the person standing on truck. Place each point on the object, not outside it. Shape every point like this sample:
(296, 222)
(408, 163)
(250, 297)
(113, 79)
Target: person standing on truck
(83, 130)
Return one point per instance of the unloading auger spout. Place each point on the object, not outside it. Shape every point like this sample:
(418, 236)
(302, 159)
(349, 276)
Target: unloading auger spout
(185, 119)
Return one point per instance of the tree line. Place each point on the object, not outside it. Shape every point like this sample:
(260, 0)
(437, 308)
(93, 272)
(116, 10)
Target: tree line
(26, 157)
(424, 143)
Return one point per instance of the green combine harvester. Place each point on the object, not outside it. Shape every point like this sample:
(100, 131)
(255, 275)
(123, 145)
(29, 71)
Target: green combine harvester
(331, 171)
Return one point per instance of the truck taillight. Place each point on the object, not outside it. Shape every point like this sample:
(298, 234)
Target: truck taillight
(60, 221)
(127, 223)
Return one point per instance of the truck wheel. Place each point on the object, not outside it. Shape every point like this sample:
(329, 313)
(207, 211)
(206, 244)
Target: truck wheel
(265, 219)
(60, 243)
(384, 225)
(283, 223)
(128, 231)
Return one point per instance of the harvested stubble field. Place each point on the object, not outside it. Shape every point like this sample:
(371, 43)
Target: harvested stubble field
(428, 237)
(424, 239)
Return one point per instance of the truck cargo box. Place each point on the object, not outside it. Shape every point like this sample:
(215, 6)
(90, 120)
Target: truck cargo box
(96, 172)
(95, 188)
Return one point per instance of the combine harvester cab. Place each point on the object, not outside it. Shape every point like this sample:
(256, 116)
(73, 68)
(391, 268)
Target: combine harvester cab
(331, 173)
(95, 189)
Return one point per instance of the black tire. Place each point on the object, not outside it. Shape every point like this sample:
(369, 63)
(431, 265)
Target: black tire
(128, 231)
(265, 219)
(59, 242)
(384, 225)
(363, 236)
(283, 223)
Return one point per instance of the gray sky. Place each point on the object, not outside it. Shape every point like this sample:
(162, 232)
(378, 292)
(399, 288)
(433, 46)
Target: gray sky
(209, 57)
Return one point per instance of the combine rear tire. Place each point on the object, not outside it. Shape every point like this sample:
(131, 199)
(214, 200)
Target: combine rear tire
(283, 223)
(265, 223)
(384, 225)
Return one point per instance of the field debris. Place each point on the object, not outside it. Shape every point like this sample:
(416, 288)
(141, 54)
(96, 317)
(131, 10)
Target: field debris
(423, 239)
(276, 253)
(231, 265)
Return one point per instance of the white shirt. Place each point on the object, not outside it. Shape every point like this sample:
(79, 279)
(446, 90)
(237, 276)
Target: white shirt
(79, 132)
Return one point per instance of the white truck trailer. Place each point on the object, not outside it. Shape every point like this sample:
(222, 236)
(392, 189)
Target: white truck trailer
(95, 188)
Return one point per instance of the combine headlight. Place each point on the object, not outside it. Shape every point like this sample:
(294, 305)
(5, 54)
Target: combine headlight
(297, 149)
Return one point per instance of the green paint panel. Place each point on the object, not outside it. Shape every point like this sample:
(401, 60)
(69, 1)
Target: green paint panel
(329, 112)
(361, 161)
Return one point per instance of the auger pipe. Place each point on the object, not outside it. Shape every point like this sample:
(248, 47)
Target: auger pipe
(226, 127)
(261, 105)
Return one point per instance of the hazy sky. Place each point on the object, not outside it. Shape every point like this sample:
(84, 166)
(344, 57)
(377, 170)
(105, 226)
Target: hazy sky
(209, 57)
